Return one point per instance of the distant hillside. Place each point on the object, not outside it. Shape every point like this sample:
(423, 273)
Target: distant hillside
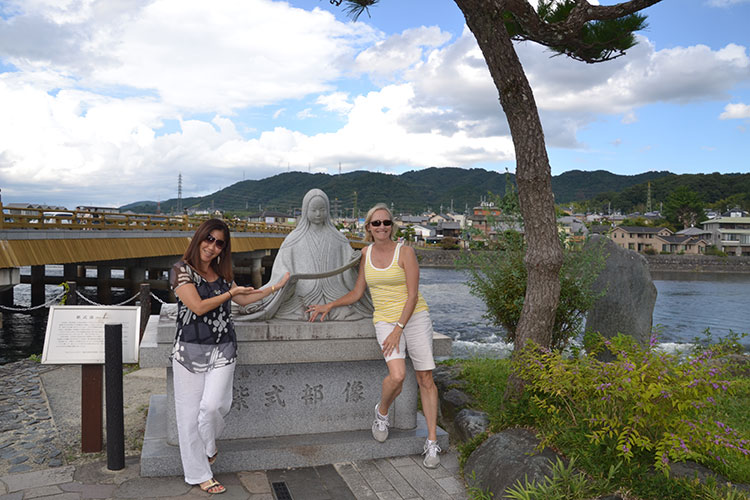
(413, 191)
(577, 185)
(720, 190)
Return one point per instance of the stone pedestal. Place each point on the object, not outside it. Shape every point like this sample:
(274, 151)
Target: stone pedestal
(304, 395)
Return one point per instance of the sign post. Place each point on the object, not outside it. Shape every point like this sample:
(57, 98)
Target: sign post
(75, 335)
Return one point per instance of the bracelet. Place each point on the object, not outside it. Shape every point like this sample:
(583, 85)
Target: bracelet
(398, 323)
(230, 294)
(273, 289)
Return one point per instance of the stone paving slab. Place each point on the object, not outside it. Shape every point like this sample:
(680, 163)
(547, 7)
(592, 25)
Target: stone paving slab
(29, 480)
(404, 478)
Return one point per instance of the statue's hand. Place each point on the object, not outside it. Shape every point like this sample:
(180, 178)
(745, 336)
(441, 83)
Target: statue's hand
(318, 309)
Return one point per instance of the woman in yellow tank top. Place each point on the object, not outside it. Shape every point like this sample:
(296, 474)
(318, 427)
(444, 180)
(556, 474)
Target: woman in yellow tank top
(402, 322)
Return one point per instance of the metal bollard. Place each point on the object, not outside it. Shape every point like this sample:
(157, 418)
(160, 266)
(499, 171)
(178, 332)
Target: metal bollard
(115, 412)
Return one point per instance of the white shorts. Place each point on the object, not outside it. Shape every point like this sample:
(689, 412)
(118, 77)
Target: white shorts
(416, 339)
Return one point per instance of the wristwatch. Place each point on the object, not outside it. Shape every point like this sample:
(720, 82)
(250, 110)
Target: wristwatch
(400, 325)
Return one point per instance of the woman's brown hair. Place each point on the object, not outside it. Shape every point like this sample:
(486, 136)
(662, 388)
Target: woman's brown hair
(222, 264)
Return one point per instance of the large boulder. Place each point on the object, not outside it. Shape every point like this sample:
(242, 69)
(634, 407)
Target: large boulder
(627, 305)
(507, 457)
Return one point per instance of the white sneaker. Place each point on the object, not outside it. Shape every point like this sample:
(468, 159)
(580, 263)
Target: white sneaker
(431, 450)
(380, 426)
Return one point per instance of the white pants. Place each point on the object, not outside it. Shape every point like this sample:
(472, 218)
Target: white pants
(201, 400)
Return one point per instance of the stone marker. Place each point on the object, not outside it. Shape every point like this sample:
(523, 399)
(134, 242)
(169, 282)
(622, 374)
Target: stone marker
(627, 305)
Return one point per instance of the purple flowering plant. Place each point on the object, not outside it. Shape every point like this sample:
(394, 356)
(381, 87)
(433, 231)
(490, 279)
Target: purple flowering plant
(645, 401)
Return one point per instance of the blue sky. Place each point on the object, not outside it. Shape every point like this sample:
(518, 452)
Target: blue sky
(105, 103)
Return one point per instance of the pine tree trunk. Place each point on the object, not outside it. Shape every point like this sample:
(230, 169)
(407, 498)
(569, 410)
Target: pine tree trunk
(544, 253)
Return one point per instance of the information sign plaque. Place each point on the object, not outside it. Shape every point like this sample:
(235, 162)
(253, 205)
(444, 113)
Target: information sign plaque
(75, 334)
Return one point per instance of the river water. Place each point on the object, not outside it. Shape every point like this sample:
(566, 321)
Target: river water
(686, 304)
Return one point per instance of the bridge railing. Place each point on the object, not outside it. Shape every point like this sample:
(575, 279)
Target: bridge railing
(33, 218)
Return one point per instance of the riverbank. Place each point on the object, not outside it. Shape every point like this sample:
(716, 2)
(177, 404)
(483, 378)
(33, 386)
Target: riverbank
(440, 258)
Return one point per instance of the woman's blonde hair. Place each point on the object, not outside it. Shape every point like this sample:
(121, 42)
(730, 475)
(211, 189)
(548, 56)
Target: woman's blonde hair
(379, 206)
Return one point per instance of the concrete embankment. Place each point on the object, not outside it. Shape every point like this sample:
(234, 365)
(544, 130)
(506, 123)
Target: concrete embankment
(437, 257)
(681, 263)
(698, 263)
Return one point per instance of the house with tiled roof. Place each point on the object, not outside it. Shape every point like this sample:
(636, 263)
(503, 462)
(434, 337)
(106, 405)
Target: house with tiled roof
(657, 239)
(681, 243)
(638, 238)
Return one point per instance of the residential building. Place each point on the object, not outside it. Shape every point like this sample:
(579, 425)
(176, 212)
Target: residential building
(695, 231)
(272, 217)
(484, 216)
(409, 220)
(657, 239)
(680, 243)
(422, 233)
(448, 229)
(438, 218)
(28, 208)
(730, 234)
(638, 238)
(602, 229)
(460, 218)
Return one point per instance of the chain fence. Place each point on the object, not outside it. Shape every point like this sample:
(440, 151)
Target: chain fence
(97, 304)
(50, 302)
(58, 299)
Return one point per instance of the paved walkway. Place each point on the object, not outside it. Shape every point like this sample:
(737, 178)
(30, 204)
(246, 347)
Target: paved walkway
(37, 459)
(383, 479)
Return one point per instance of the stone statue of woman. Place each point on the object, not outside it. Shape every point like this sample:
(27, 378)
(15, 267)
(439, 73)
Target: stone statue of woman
(322, 265)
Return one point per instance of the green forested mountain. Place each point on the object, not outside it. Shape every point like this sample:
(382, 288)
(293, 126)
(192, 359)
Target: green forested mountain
(433, 188)
(718, 191)
(577, 185)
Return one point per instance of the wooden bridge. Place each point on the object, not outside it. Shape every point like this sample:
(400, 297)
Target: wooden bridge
(144, 245)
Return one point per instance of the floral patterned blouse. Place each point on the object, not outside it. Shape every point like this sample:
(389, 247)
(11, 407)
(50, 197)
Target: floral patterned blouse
(202, 342)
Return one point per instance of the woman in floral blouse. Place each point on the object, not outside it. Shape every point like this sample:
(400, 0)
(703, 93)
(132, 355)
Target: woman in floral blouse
(205, 346)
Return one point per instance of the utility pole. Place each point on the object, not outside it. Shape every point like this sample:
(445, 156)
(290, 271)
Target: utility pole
(179, 193)
(648, 200)
(355, 212)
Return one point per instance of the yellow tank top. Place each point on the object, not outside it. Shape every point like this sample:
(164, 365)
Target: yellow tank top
(388, 289)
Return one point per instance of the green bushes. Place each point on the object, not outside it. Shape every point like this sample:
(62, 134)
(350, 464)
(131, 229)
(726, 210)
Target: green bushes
(646, 402)
(498, 277)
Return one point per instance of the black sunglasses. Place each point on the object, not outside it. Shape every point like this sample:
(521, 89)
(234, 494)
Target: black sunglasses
(376, 223)
(219, 243)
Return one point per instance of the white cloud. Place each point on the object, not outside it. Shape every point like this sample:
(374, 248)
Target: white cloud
(196, 56)
(399, 52)
(98, 83)
(726, 3)
(337, 102)
(735, 111)
(305, 114)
